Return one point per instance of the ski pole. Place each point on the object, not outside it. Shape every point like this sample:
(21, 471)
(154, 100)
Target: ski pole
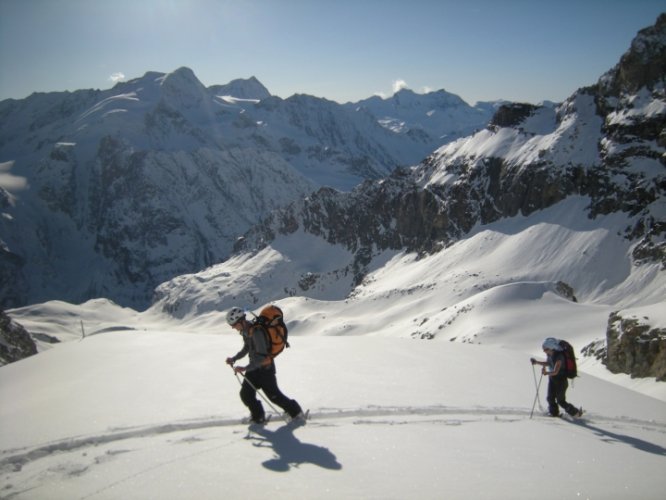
(537, 394)
(257, 391)
(537, 387)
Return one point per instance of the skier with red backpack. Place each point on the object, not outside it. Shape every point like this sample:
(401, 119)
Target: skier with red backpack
(259, 345)
(559, 366)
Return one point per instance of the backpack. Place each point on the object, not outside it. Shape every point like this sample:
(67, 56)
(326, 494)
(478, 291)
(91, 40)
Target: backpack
(571, 370)
(271, 319)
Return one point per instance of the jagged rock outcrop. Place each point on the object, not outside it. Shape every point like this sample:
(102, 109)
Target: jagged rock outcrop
(565, 290)
(512, 114)
(15, 341)
(643, 65)
(389, 214)
(634, 347)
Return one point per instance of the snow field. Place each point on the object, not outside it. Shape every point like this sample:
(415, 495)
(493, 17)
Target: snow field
(153, 414)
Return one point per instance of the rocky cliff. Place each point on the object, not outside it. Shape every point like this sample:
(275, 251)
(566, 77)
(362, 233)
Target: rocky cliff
(15, 341)
(635, 347)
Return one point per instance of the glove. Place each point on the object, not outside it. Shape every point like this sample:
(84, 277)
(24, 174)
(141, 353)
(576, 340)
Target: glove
(239, 369)
(532, 360)
(230, 361)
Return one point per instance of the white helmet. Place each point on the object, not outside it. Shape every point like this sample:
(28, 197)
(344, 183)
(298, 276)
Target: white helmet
(234, 315)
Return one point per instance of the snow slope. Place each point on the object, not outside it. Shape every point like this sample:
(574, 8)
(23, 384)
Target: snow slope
(153, 412)
(498, 286)
(418, 381)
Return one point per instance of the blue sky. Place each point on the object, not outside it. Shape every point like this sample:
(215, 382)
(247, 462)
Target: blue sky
(343, 50)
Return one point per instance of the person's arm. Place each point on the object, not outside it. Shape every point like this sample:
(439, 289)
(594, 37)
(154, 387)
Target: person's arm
(240, 354)
(260, 356)
(556, 369)
(535, 362)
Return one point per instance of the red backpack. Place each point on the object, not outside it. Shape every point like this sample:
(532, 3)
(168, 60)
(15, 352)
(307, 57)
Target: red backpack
(571, 370)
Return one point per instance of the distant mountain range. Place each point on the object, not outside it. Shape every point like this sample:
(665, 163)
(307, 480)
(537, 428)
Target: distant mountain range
(158, 176)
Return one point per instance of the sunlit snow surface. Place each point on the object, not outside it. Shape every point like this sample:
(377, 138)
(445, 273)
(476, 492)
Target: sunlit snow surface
(144, 406)
(153, 413)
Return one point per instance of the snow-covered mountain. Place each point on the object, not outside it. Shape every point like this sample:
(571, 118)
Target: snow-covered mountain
(439, 116)
(567, 200)
(128, 187)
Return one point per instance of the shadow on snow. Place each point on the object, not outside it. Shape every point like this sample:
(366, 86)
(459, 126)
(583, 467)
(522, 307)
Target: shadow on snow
(290, 451)
(611, 437)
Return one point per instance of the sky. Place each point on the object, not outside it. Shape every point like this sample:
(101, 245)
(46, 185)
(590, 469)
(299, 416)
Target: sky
(342, 50)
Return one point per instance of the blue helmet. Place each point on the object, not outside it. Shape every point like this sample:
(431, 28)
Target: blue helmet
(551, 343)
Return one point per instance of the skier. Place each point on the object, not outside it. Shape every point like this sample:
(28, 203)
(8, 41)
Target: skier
(554, 368)
(260, 372)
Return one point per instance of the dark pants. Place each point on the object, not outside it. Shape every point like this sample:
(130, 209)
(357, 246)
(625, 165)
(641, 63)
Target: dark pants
(557, 395)
(264, 379)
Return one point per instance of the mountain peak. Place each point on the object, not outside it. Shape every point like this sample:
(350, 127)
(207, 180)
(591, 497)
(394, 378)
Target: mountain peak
(642, 65)
(438, 98)
(404, 91)
(183, 89)
(183, 76)
(241, 88)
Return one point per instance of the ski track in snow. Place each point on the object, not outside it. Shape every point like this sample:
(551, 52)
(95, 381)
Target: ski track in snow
(604, 426)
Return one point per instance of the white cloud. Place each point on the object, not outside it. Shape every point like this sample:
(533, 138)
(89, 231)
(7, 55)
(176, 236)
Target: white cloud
(427, 90)
(117, 77)
(399, 85)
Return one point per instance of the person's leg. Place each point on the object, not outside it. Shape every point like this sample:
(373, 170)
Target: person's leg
(274, 394)
(551, 397)
(249, 397)
(561, 397)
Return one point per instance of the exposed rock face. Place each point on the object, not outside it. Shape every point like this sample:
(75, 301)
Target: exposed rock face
(15, 341)
(389, 214)
(635, 348)
(510, 115)
(11, 283)
(625, 96)
(565, 290)
(644, 65)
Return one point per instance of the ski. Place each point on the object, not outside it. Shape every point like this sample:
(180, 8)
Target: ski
(574, 418)
(249, 421)
(296, 421)
(567, 417)
(300, 419)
